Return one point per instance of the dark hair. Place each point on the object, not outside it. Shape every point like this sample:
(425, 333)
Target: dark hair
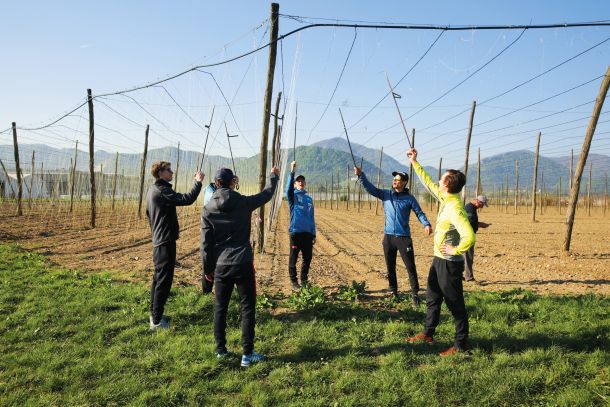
(222, 184)
(455, 181)
(158, 167)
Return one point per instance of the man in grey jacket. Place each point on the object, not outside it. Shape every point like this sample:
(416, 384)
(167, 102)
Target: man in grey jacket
(227, 256)
(161, 202)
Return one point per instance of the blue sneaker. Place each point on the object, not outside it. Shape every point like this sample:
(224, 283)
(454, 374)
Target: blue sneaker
(247, 360)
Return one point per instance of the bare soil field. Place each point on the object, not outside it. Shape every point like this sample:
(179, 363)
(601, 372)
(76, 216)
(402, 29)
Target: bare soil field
(512, 253)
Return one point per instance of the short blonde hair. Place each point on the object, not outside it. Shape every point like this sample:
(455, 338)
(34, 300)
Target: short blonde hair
(158, 167)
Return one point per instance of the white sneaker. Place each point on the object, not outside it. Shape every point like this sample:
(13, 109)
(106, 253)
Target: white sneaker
(163, 324)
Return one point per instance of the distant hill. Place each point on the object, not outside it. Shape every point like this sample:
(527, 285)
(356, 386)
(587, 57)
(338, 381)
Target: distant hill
(317, 162)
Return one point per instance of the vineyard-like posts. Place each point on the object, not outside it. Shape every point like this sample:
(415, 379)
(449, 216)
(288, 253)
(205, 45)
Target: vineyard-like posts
(18, 170)
(583, 159)
(468, 137)
(262, 164)
(535, 178)
(143, 172)
(91, 156)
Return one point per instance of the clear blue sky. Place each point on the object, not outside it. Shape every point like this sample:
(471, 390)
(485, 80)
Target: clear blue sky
(53, 52)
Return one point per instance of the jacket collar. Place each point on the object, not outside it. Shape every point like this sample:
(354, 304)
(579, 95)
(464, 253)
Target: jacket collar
(162, 182)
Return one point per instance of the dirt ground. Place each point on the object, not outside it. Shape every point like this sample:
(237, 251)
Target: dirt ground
(512, 253)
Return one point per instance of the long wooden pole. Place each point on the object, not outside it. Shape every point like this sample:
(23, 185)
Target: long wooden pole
(583, 159)
(274, 151)
(143, 172)
(91, 157)
(535, 183)
(262, 163)
(18, 171)
(468, 137)
(378, 178)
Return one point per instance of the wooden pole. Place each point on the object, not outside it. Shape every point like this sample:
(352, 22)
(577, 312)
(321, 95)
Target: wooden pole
(411, 165)
(468, 137)
(516, 185)
(116, 173)
(589, 189)
(378, 178)
(73, 176)
(535, 183)
(262, 164)
(91, 157)
(583, 160)
(18, 171)
(143, 172)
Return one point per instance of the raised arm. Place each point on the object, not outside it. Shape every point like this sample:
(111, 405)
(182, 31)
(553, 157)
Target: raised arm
(423, 176)
(178, 199)
(366, 184)
(254, 201)
(290, 184)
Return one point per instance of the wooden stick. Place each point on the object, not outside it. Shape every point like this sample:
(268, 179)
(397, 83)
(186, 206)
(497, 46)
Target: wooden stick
(143, 172)
(18, 171)
(468, 137)
(91, 158)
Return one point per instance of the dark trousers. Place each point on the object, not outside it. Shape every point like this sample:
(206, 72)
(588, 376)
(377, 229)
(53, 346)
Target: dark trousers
(404, 246)
(225, 277)
(468, 260)
(164, 259)
(445, 283)
(300, 242)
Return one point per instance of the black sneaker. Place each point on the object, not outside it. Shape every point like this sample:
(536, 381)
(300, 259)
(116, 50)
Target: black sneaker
(415, 301)
(295, 286)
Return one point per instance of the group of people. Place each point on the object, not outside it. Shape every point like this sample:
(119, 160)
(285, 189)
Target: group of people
(227, 256)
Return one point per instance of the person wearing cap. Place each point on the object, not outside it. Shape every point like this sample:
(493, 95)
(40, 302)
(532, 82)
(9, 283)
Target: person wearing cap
(397, 206)
(302, 227)
(227, 256)
(453, 236)
(471, 212)
(161, 202)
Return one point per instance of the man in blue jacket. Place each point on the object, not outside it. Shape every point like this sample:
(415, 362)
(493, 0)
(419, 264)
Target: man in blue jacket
(397, 206)
(302, 226)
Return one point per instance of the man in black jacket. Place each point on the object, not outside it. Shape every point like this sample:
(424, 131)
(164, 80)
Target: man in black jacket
(161, 202)
(227, 255)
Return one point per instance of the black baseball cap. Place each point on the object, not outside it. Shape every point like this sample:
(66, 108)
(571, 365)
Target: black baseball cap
(403, 175)
(225, 175)
(300, 177)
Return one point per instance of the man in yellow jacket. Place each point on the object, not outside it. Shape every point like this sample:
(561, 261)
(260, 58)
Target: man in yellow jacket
(453, 236)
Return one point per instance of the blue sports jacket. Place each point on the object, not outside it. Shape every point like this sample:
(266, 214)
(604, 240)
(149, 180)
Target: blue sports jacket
(301, 209)
(396, 207)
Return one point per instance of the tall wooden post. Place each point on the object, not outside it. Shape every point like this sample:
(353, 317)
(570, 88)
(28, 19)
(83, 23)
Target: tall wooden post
(583, 159)
(589, 189)
(116, 173)
(440, 165)
(262, 163)
(474, 106)
(516, 185)
(411, 165)
(91, 157)
(143, 172)
(378, 178)
(18, 170)
(535, 186)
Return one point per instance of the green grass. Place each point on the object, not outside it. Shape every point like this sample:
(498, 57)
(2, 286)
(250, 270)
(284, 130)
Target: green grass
(74, 338)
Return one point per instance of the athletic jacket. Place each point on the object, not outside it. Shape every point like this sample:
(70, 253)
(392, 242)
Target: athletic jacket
(452, 224)
(301, 209)
(161, 202)
(225, 226)
(396, 208)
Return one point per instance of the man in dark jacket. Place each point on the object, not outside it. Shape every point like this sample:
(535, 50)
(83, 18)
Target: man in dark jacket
(161, 202)
(302, 227)
(471, 212)
(397, 206)
(227, 255)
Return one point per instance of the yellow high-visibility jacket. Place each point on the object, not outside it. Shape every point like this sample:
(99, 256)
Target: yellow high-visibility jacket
(452, 225)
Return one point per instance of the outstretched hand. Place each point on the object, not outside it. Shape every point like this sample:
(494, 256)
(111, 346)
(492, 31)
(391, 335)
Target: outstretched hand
(199, 176)
(275, 170)
(357, 171)
(293, 166)
(412, 155)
